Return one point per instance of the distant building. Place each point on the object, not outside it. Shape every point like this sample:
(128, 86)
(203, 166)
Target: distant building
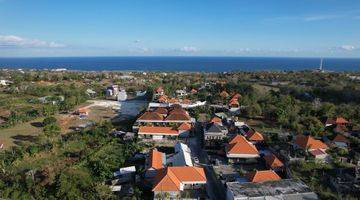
(214, 132)
(315, 147)
(112, 91)
(336, 121)
(286, 189)
(164, 116)
(273, 162)
(254, 136)
(155, 161)
(262, 176)
(340, 141)
(122, 95)
(239, 148)
(170, 182)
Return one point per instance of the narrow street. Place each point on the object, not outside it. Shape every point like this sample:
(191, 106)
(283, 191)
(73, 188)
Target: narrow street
(214, 187)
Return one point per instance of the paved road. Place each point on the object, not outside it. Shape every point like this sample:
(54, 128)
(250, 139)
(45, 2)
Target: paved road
(215, 188)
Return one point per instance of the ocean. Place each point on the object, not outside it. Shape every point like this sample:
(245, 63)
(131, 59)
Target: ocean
(202, 64)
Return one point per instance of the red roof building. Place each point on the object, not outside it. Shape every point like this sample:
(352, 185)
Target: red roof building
(239, 147)
(273, 162)
(254, 136)
(174, 179)
(150, 117)
(309, 143)
(262, 176)
(336, 121)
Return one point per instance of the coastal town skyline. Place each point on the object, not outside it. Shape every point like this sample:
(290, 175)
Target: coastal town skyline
(180, 28)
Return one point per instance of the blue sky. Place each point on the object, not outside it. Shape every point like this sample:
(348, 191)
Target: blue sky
(326, 28)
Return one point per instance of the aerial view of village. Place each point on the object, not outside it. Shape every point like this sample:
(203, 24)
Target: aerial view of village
(179, 135)
(180, 100)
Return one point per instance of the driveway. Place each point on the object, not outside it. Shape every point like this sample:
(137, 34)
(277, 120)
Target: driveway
(214, 187)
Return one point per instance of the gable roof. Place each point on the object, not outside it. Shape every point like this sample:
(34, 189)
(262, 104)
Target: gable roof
(340, 138)
(161, 110)
(157, 130)
(216, 120)
(239, 145)
(162, 99)
(175, 116)
(156, 159)
(337, 120)
(272, 161)
(262, 176)
(317, 152)
(151, 116)
(184, 126)
(170, 178)
(305, 142)
(213, 128)
(254, 136)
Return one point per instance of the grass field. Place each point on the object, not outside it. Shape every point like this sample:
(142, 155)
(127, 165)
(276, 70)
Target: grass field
(25, 132)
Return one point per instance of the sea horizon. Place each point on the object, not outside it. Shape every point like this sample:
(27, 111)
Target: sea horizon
(181, 63)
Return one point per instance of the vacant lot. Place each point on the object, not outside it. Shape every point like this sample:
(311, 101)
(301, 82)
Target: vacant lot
(27, 132)
(21, 133)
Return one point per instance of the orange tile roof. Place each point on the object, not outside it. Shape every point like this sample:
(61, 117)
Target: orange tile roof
(239, 145)
(340, 120)
(178, 110)
(255, 136)
(159, 130)
(156, 159)
(216, 120)
(162, 99)
(317, 152)
(337, 120)
(178, 117)
(161, 110)
(184, 126)
(262, 176)
(305, 142)
(272, 161)
(151, 116)
(170, 178)
(173, 100)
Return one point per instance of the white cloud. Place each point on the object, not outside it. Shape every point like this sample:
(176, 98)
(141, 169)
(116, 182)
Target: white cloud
(321, 17)
(20, 42)
(344, 48)
(189, 49)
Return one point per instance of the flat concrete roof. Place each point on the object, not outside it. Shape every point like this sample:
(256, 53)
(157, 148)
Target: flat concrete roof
(282, 189)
